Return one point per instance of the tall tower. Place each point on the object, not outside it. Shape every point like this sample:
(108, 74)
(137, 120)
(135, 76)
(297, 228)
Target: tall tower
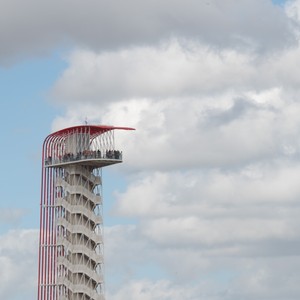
(71, 239)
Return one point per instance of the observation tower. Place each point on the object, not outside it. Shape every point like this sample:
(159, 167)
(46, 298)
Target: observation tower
(71, 225)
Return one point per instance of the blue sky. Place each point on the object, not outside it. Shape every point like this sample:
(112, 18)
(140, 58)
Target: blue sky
(205, 205)
(26, 117)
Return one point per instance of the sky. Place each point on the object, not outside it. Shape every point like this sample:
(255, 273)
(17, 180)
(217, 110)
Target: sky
(206, 203)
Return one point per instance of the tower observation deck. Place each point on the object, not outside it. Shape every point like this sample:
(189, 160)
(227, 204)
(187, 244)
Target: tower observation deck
(71, 225)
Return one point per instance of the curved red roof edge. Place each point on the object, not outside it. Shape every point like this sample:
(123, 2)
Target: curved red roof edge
(93, 129)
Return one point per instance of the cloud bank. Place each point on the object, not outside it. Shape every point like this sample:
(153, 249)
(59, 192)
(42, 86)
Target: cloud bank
(213, 165)
(33, 27)
(212, 88)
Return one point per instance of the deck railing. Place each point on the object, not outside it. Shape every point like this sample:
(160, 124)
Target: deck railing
(69, 157)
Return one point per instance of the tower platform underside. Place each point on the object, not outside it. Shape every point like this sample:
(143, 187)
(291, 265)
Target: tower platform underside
(92, 162)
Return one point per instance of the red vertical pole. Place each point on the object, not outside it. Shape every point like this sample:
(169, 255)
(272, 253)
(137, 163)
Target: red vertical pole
(49, 234)
(46, 239)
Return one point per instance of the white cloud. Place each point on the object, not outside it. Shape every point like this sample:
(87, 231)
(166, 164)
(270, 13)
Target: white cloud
(225, 231)
(34, 27)
(18, 258)
(199, 272)
(172, 70)
(11, 215)
(252, 205)
(159, 290)
(208, 192)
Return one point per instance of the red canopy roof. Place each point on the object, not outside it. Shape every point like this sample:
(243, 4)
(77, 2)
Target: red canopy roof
(93, 129)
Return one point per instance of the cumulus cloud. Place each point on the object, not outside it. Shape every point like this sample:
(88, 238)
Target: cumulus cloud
(35, 27)
(18, 258)
(11, 216)
(173, 69)
(198, 272)
(147, 290)
(212, 192)
(213, 208)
